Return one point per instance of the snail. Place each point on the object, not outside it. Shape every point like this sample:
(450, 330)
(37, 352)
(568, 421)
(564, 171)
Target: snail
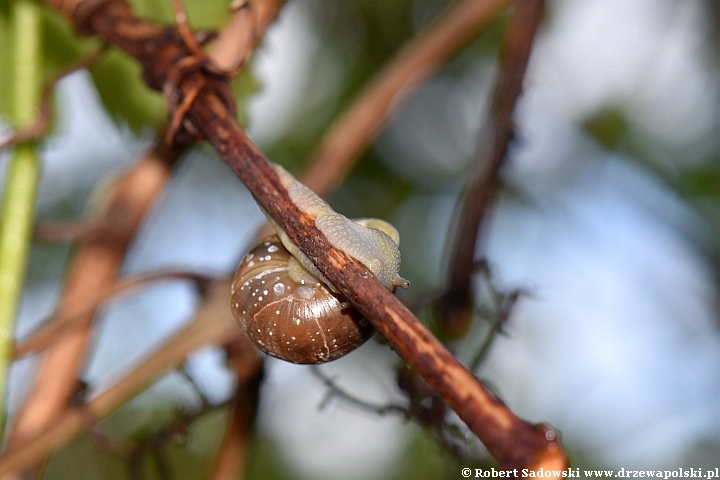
(283, 302)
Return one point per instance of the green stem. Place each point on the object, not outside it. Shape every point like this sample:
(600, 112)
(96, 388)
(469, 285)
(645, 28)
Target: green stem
(18, 207)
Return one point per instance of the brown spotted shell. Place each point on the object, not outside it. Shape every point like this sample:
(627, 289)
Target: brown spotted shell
(293, 318)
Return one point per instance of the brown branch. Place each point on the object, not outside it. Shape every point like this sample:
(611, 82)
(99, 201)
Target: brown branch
(94, 270)
(349, 136)
(213, 325)
(513, 442)
(91, 228)
(231, 458)
(520, 32)
(246, 28)
(98, 260)
(60, 322)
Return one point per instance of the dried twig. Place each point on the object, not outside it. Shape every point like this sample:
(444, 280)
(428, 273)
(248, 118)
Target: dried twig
(61, 322)
(335, 391)
(93, 271)
(213, 325)
(38, 127)
(348, 137)
(456, 303)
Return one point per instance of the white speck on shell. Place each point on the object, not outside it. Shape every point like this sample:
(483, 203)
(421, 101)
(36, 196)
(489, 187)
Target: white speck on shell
(305, 292)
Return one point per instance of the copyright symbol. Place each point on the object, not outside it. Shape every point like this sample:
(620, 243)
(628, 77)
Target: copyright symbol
(466, 472)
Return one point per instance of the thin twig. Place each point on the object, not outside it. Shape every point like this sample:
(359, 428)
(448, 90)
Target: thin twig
(213, 325)
(40, 124)
(93, 272)
(348, 137)
(335, 391)
(498, 320)
(77, 231)
(520, 33)
(61, 322)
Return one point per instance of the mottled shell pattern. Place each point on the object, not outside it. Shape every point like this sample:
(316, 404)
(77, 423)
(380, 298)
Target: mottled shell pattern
(288, 312)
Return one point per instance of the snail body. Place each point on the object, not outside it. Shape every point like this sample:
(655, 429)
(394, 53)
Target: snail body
(287, 306)
(373, 242)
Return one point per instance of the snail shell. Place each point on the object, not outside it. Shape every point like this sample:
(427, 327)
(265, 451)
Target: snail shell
(288, 312)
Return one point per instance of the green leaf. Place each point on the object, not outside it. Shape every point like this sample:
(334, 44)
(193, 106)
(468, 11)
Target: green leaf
(62, 46)
(202, 14)
(701, 182)
(243, 87)
(607, 126)
(118, 79)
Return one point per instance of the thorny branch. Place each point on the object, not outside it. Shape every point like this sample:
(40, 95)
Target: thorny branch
(511, 441)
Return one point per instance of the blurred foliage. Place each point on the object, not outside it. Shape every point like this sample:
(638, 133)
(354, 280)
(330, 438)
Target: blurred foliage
(144, 454)
(5, 58)
(118, 80)
(607, 127)
(202, 14)
(61, 44)
(422, 460)
(265, 462)
(61, 47)
(80, 459)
